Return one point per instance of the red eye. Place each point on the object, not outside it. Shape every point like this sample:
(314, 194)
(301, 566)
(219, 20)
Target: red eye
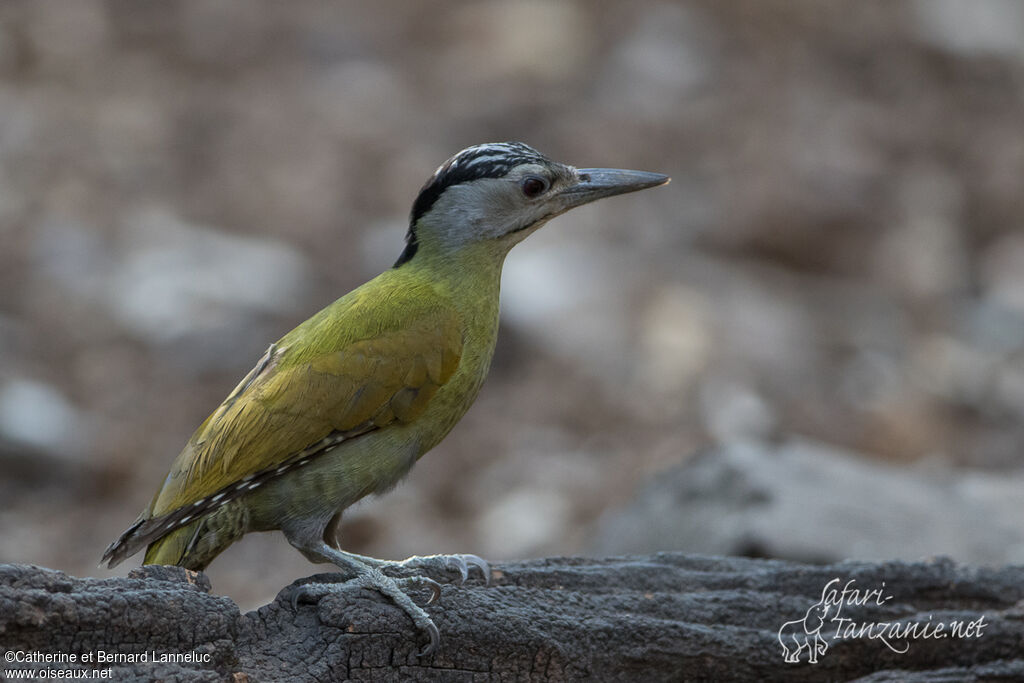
(534, 186)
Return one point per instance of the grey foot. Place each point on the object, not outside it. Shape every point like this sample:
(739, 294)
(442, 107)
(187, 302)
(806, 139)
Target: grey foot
(395, 589)
(434, 564)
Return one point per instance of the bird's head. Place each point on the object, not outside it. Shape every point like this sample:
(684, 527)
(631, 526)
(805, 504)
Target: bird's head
(500, 192)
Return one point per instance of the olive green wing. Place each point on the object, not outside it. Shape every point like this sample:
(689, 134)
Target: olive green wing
(299, 401)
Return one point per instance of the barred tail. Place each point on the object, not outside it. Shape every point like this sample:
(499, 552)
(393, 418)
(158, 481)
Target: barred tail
(170, 548)
(183, 538)
(125, 546)
(195, 544)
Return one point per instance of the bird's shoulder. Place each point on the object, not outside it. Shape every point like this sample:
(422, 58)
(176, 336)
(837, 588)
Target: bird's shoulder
(393, 303)
(374, 357)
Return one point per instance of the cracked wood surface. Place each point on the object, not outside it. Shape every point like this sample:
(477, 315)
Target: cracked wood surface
(661, 617)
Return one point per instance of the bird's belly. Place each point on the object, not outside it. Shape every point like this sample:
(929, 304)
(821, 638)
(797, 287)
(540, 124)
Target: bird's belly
(372, 463)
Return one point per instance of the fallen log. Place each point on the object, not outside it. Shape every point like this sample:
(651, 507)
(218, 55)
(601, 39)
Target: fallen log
(662, 617)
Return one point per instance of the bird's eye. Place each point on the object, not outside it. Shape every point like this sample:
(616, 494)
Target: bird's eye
(533, 186)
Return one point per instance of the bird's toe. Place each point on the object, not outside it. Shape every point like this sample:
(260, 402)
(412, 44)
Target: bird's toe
(413, 582)
(435, 639)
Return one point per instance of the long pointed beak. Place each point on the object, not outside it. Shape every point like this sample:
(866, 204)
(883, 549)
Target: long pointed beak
(597, 183)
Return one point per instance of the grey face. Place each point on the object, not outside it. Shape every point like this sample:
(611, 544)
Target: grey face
(489, 160)
(504, 191)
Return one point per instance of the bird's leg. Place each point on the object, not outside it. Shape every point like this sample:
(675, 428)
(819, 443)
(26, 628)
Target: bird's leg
(366, 576)
(434, 564)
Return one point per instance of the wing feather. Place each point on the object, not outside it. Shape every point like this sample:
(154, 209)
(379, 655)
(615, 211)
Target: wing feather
(292, 401)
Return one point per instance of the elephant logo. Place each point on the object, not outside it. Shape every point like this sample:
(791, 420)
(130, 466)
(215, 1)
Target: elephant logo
(800, 634)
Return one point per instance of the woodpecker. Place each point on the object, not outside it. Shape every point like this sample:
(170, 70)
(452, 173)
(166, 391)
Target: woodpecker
(346, 403)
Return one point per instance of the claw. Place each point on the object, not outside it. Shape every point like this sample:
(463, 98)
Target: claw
(435, 591)
(463, 563)
(435, 640)
(458, 563)
(481, 564)
(420, 581)
(297, 595)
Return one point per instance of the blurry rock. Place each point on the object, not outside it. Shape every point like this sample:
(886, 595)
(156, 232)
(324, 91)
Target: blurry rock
(965, 374)
(675, 341)
(294, 182)
(224, 33)
(497, 41)
(19, 125)
(129, 129)
(873, 379)
(38, 415)
(531, 499)
(179, 278)
(381, 244)
(992, 326)
(1009, 388)
(69, 35)
(972, 28)
(362, 99)
(813, 502)
(925, 253)
(8, 48)
(1002, 271)
(760, 322)
(72, 252)
(571, 299)
(168, 279)
(523, 522)
(665, 56)
(732, 410)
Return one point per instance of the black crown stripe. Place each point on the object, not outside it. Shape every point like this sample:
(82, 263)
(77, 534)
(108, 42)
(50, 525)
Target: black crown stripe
(490, 160)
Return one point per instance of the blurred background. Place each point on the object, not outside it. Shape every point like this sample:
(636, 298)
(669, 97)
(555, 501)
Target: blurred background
(810, 345)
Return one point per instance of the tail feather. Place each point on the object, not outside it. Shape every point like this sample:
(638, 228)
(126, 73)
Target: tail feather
(126, 545)
(173, 548)
(164, 547)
